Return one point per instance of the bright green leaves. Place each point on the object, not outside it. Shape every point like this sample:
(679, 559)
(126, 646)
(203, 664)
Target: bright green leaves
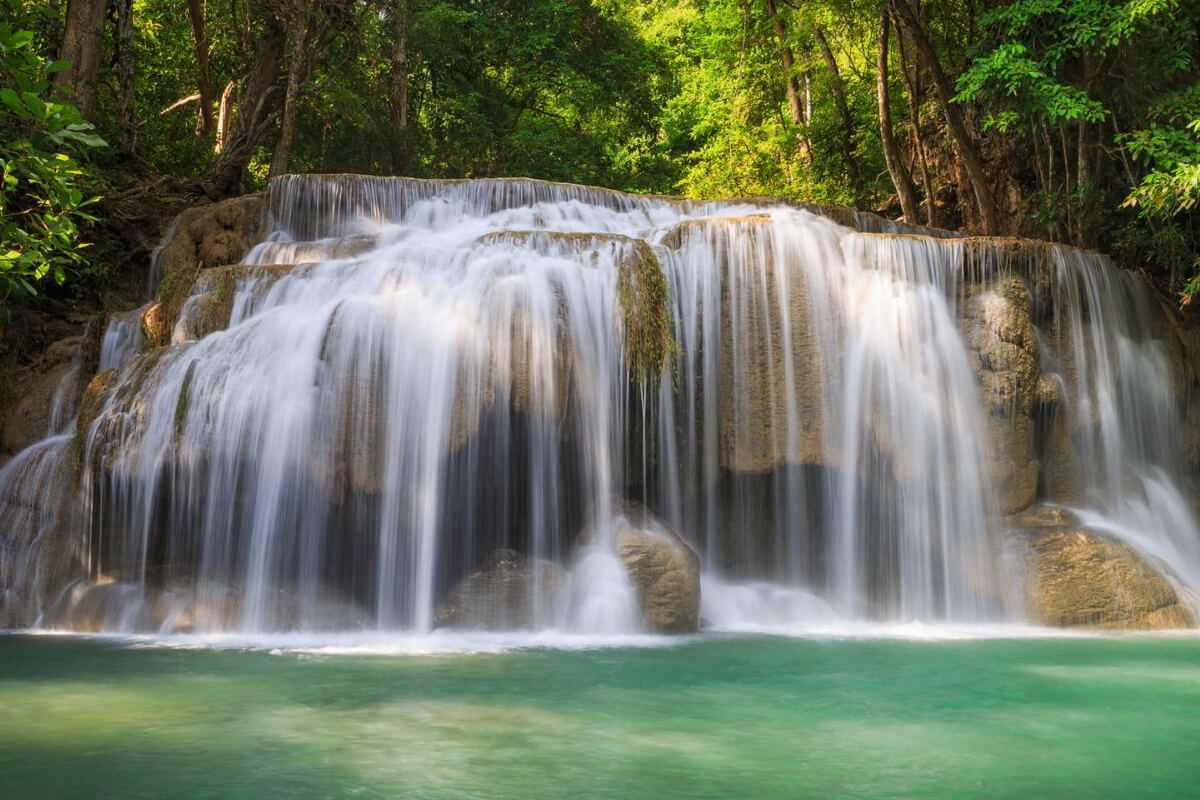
(42, 186)
(1013, 72)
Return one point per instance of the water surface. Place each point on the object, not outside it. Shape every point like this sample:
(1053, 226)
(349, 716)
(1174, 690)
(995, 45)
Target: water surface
(713, 717)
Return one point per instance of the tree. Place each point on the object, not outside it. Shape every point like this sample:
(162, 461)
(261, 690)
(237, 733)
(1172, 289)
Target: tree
(82, 49)
(398, 97)
(204, 117)
(901, 177)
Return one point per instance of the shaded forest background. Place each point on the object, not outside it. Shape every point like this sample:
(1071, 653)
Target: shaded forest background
(1071, 120)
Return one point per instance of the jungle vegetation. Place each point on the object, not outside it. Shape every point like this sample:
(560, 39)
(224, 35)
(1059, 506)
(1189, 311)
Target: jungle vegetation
(1071, 120)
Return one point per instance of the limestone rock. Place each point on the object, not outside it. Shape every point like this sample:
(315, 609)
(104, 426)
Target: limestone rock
(110, 605)
(1078, 577)
(665, 572)
(213, 235)
(1003, 348)
(28, 419)
(207, 236)
(509, 591)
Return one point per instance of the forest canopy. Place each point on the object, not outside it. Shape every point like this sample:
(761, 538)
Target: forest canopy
(1070, 120)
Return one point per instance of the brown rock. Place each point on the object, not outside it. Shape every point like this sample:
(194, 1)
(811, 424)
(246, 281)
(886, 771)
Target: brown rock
(1003, 348)
(510, 591)
(207, 236)
(28, 419)
(665, 572)
(1079, 577)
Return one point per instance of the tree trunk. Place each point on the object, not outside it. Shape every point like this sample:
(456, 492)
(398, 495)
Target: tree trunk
(204, 119)
(82, 45)
(257, 107)
(843, 108)
(125, 74)
(916, 94)
(398, 100)
(789, 63)
(224, 117)
(901, 177)
(964, 145)
(287, 128)
(791, 82)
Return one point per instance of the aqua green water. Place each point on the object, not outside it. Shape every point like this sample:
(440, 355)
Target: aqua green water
(752, 717)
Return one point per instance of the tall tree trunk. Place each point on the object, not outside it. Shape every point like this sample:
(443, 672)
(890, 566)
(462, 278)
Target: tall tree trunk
(257, 107)
(224, 117)
(125, 76)
(791, 82)
(398, 100)
(204, 119)
(843, 108)
(916, 94)
(964, 145)
(901, 177)
(82, 45)
(283, 150)
(789, 63)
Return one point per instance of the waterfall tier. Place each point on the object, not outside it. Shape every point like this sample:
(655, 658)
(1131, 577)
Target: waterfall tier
(405, 380)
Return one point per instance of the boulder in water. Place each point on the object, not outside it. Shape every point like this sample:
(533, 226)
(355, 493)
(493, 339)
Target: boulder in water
(1078, 577)
(665, 572)
(509, 591)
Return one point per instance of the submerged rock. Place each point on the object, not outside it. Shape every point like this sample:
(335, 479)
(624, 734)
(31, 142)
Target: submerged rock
(1078, 577)
(510, 591)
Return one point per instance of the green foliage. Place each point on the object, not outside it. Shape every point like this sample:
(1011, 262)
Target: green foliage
(42, 185)
(1050, 68)
(1085, 113)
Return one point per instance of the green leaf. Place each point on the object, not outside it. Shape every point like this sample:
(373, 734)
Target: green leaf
(34, 104)
(13, 101)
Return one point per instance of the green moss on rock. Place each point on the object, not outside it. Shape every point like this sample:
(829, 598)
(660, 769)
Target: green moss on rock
(646, 313)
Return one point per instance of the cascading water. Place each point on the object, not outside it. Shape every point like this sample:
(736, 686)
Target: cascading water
(415, 374)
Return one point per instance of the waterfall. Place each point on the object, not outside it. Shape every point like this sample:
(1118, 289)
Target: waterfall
(405, 376)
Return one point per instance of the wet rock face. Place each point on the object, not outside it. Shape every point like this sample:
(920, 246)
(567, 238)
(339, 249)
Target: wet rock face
(180, 608)
(510, 591)
(214, 235)
(1078, 577)
(28, 419)
(665, 572)
(209, 236)
(1003, 348)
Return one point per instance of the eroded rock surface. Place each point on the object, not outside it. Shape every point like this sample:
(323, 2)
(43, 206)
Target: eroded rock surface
(509, 591)
(1003, 349)
(664, 569)
(1078, 577)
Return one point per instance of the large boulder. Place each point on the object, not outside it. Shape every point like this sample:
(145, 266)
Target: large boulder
(509, 591)
(664, 570)
(1078, 577)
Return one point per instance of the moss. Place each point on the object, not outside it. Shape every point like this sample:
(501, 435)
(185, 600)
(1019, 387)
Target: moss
(159, 320)
(181, 406)
(646, 311)
(91, 405)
